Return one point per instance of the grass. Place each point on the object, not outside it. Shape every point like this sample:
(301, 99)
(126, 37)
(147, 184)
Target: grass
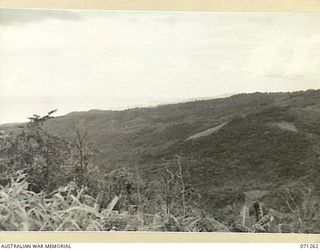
(70, 209)
(66, 209)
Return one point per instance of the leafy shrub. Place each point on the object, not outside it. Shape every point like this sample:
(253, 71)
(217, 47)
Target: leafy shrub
(40, 155)
(65, 209)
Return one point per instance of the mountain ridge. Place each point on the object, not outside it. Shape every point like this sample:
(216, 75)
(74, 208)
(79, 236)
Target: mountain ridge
(241, 150)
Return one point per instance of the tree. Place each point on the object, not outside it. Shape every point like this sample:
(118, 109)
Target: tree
(175, 189)
(37, 119)
(83, 158)
(38, 154)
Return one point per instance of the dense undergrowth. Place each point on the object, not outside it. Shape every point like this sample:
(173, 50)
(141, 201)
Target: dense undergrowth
(69, 208)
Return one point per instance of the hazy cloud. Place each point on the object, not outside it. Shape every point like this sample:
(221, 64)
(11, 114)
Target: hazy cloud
(16, 16)
(287, 58)
(121, 58)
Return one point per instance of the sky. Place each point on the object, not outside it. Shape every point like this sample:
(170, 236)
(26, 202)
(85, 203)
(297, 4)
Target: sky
(82, 60)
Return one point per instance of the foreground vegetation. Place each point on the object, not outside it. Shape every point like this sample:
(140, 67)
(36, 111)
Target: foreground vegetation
(70, 208)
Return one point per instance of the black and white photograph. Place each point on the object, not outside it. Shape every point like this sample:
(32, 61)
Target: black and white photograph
(159, 121)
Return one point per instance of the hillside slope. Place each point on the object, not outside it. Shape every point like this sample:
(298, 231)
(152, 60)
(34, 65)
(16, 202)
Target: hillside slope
(267, 140)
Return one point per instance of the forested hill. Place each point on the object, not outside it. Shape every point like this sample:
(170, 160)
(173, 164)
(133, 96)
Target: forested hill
(227, 147)
(244, 142)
